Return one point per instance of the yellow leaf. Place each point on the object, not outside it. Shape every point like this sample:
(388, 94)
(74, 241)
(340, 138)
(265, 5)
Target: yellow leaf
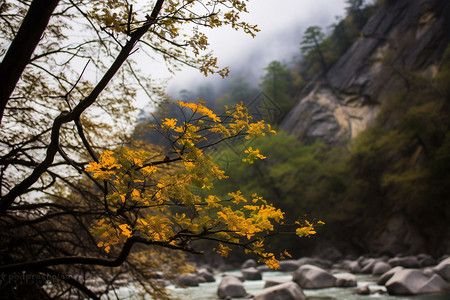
(126, 230)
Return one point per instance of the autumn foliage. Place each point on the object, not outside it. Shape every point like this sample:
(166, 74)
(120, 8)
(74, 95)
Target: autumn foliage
(162, 198)
(80, 199)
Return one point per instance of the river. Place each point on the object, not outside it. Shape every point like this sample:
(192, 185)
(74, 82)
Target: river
(208, 291)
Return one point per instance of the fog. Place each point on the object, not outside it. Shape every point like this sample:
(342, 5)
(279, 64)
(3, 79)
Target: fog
(282, 24)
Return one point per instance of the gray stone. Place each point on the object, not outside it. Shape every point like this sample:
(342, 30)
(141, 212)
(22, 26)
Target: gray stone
(380, 267)
(405, 262)
(285, 291)
(367, 265)
(435, 284)
(206, 275)
(363, 290)
(288, 265)
(352, 266)
(188, 280)
(322, 263)
(271, 282)
(251, 274)
(313, 277)
(336, 107)
(264, 268)
(415, 282)
(346, 280)
(426, 260)
(249, 263)
(231, 286)
(386, 276)
(443, 269)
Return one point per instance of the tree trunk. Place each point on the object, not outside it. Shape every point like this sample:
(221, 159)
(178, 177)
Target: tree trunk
(22, 47)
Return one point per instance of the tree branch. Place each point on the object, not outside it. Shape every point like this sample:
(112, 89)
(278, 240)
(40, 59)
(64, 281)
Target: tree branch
(66, 117)
(72, 260)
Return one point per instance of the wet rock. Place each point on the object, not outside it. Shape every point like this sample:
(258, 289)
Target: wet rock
(435, 284)
(443, 269)
(271, 282)
(285, 291)
(313, 277)
(232, 287)
(189, 280)
(346, 280)
(289, 265)
(238, 276)
(406, 262)
(352, 266)
(380, 267)
(323, 263)
(415, 282)
(249, 263)
(264, 268)
(206, 275)
(426, 260)
(363, 290)
(386, 276)
(251, 274)
(367, 265)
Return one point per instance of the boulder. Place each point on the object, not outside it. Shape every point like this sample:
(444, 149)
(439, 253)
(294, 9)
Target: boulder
(363, 290)
(206, 275)
(285, 291)
(313, 277)
(251, 274)
(405, 262)
(346, 280)
(426, 260)
(415, 282)
(435, 284)
(271, 282)
(323, 263)
(367, 265)
(189, 280)
(238, 276)
(443, 269)
(352, 266)
(380, 267)
(386, 276)
(231, 286)
(249, 263)
(264, 268)
(288, 265)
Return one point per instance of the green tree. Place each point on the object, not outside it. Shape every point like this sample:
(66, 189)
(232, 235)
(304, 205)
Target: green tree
(355, 10)
(311, 41)
(277, 84)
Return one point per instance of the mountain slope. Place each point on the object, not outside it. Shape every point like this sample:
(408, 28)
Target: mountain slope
(402, 37)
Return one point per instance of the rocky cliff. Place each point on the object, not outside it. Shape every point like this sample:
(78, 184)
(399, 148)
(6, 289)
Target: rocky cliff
(402, 36)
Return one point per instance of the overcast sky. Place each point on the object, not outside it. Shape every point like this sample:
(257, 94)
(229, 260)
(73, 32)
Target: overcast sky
(282, 23)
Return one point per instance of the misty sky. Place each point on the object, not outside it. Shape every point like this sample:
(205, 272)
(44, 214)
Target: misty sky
(282, 23)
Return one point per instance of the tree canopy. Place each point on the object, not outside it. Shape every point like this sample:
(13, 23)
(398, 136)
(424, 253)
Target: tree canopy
(81, 200)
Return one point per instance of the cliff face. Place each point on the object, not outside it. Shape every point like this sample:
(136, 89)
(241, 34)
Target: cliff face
(404, 36)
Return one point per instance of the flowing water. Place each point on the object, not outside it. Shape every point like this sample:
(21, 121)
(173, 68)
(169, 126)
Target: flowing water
(208, 291)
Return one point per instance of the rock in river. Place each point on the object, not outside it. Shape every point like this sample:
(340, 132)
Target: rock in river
(231, 286)
(286, 291)
(312, 277)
